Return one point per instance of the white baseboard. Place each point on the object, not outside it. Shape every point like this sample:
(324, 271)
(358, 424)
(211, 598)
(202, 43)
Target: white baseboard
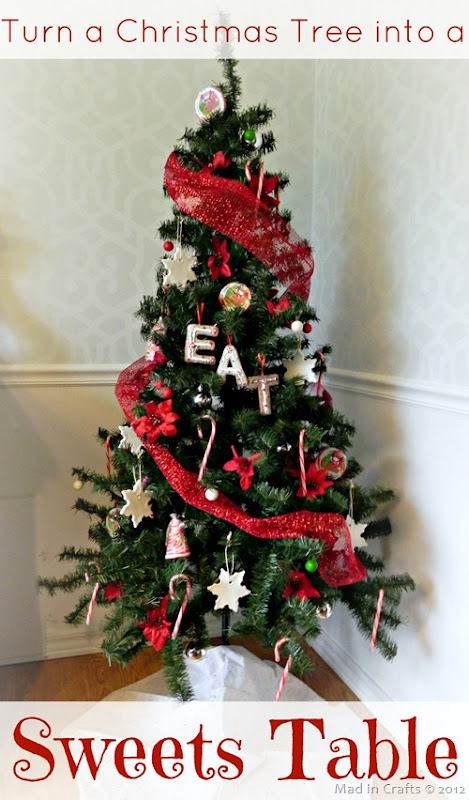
(73, 643)
(349, 670)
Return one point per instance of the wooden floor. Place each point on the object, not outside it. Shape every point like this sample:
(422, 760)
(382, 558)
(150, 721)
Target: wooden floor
(89, 678)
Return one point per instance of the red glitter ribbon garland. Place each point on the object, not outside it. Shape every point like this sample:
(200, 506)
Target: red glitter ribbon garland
(230, 207)
(338, 565)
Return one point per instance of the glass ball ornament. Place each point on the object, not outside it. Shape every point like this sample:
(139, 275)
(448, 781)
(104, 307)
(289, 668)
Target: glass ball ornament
(168, 246)
(195, 653)
(113, 522)
(333, 461)
(235, 296)
(211, 494)
(252, 138)
(209, 101)
(78, 484)
(311, 565)
(324, 611)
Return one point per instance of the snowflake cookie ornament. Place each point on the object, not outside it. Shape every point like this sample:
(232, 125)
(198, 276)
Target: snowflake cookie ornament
(137, 503)
(130, 440)
(301, 369)
(356, 528)
(179, 268)
(229, 589)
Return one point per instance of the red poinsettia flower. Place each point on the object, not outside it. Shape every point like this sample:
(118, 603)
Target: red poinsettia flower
(113, 591)
(269, 185)
(218, 262)
(243, 466)
(219, 161)
(300, 586)
(159, 421)
(276, 308)
(156, 627)
(316, 482)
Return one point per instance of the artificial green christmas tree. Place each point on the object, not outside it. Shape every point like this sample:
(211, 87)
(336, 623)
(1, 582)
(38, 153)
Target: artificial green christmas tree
(230, 487)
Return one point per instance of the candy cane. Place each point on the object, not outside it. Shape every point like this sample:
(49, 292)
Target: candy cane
(173, 580)
(379, 606)
(261, 181)
(209, 446)
(93, 596)
(302, 461)
(286, 669)
(247, 170)
(108, 456)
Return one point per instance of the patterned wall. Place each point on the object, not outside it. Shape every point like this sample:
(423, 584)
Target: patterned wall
(82, 150)
(391, 216)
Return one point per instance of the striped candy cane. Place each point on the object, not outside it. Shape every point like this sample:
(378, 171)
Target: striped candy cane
(208, 449)
(247, 170)
(302, 461)
(93, 596)
(379, 606)
(173, 580)
(286, 669)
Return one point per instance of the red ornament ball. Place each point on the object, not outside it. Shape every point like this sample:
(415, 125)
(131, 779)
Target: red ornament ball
(159, 384)
(168, 246)
(307, 327)
(167, 393)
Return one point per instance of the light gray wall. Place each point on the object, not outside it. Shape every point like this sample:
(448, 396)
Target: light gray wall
(391, 230)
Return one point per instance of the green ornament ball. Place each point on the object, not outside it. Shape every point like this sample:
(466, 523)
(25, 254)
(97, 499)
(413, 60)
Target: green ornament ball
(250, 136)
(311, 565)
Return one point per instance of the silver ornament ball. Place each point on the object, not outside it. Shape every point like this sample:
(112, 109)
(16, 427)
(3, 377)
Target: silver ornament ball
(194, 653)
(324, 611)
(202, 399)
(211, 493)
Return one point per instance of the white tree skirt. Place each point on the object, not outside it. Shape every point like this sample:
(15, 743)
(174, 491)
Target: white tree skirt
(225, 673)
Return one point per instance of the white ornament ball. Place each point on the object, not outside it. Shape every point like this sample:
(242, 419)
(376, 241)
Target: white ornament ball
(297, 326)
(78, 485)
(211, 493)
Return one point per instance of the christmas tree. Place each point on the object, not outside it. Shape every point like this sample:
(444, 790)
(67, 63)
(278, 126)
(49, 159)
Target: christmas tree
(231, 487)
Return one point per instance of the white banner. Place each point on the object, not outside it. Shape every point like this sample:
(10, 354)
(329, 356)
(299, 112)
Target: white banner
(184, 29)
(231, 750)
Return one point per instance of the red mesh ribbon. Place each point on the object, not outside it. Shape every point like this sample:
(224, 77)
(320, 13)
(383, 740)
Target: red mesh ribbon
(338, 564)
(231, 208)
